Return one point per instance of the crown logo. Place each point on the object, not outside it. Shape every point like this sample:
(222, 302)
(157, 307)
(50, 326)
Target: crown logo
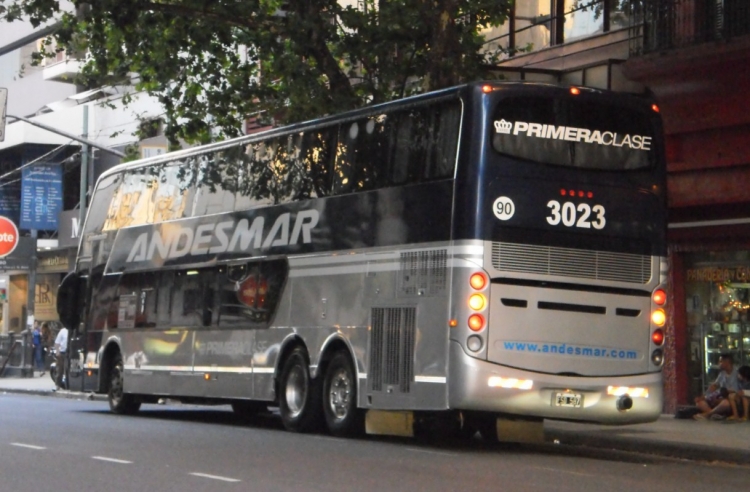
(503, 126)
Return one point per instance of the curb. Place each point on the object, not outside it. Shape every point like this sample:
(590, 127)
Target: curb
(683, 451)
(70, 395)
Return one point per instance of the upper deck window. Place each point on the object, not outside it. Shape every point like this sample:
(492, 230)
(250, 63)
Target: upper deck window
(568, 131)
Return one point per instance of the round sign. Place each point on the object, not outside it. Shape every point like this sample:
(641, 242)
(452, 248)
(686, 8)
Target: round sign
(8, 236)
(504, 208)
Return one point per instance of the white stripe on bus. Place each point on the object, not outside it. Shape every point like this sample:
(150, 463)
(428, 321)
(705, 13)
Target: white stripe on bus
(186, 370)
(430, 379)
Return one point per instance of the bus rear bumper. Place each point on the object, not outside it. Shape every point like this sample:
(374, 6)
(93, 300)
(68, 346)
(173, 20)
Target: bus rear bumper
(483, 386)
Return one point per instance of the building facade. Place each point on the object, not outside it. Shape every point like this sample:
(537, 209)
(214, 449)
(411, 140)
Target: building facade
(41, 171)
(692, 56)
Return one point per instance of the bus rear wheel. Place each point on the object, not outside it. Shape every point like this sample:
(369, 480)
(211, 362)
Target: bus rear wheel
(299, 394)
(120, 402)
(343, 418)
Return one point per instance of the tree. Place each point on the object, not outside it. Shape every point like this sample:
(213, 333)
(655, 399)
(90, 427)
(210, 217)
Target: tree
(215, 63)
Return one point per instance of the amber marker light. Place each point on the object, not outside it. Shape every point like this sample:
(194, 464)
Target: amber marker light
(659, 297)
(478, 281)
(206, 376)
(659, 317)
(575, 91)
(486, 89)
(477, 302)
(655, 108)
(476, 322)
(453, 323)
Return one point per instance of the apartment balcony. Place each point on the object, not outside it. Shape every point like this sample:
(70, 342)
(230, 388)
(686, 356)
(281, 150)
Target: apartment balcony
(693, 54)
(664, 25)
(65, 70)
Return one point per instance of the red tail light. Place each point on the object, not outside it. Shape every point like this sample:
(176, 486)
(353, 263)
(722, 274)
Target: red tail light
(478, 281)
(476, 322)
(657, 337)
(659, 297)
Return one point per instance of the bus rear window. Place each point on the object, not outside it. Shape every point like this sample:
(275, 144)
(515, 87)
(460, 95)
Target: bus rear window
(574, 132)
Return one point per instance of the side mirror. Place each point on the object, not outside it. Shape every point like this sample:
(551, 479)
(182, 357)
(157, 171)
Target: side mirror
(67, 301)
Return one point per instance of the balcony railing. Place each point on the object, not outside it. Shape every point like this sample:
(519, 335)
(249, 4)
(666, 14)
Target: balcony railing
(661, 25)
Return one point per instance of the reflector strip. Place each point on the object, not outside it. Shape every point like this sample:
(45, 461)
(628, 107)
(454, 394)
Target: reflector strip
(430, 379)
(510, 383)
(625, 390)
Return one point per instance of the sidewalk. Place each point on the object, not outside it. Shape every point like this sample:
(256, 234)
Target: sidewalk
(686, 439)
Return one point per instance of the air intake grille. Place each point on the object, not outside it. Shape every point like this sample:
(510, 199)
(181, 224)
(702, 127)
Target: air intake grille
(567, 262)
(392, 349)
(423, 272)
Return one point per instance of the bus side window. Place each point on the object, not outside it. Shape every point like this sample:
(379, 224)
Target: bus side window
(361, 155)
(216, 182)
(443, 142)
(173, 192)
(250, 293)
(269, 170)
(134, 303)
(193, 298)
(106, 193)
(164, 298)
(314, 162)
(425, 142)
(103, 291)
(245, 198)
(402, 142)
(130, 204)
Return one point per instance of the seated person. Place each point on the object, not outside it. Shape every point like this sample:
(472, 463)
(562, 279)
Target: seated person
(742, 397)
(716, 400)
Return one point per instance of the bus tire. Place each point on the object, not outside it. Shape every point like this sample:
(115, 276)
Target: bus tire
(343, 418)
(299, 394)
(120, 402)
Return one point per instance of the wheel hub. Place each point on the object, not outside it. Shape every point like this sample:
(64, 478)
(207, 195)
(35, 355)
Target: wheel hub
(339, 395)
(295, 392)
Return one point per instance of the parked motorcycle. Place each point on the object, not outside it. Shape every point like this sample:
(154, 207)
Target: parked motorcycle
(53, 368)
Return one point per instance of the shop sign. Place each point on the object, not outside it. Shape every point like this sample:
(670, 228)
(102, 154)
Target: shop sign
(56, 262)
(8, 236)
(20, 258)
(69, 231)
(719, 274)
(45, 301)
(41, 196)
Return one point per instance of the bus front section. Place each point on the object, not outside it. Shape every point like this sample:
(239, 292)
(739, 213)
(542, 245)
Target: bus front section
(562, 313)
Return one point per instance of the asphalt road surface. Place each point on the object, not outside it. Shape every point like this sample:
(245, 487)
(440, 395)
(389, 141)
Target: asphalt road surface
(54, 444)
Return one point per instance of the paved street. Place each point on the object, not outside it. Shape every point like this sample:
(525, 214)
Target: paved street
(63, 444)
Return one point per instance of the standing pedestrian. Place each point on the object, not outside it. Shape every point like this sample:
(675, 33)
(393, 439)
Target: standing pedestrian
(36, 341)
(61, 346)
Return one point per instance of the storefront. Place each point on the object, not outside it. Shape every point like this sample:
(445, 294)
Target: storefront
(710, 280)
(14, 278)
(51, 268)
(717, 301)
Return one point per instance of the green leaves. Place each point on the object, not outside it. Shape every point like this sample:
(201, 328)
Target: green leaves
(214, 64)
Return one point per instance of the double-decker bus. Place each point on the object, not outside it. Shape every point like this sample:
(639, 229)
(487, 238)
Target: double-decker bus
(484, 253)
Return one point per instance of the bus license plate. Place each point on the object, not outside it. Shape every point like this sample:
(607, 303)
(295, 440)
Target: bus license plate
(568, 400)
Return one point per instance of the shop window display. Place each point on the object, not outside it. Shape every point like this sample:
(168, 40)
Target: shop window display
(717, 292)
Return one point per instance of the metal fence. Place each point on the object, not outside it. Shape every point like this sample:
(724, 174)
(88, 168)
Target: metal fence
(16, 353)
(660, 25)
